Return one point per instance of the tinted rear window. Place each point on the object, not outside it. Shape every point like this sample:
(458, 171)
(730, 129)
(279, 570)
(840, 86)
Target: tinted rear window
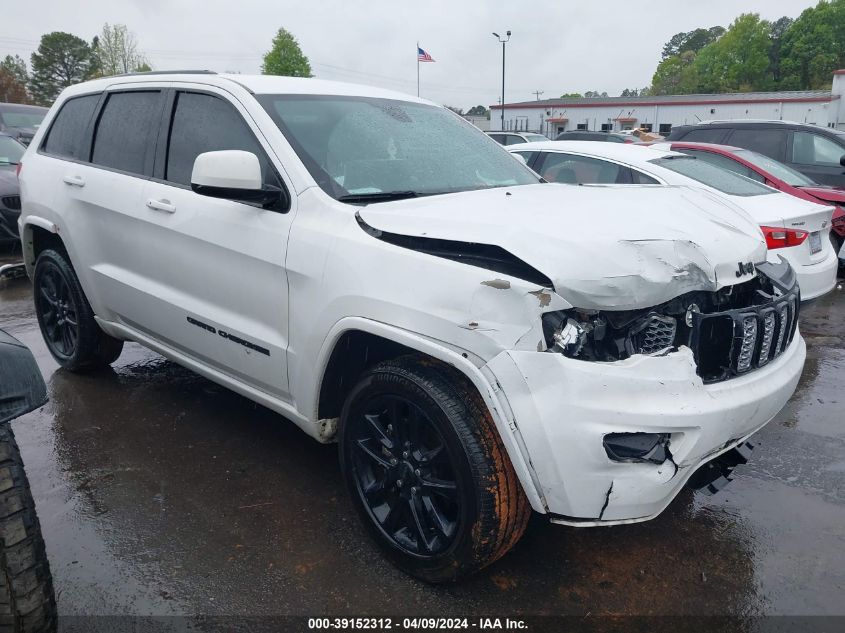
(126, 123)
(67, 134)
(728, 182)
(770, 143)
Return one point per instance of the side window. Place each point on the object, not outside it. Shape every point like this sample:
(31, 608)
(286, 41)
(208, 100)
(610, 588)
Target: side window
(126, 124)
(639, 178)
(499, 138)
(513, 139)
(705, 135)
(725, 163)
(571, 169)
(67, 133)
(771, 143)
(205, 123)
(528, 156)
(814, 149)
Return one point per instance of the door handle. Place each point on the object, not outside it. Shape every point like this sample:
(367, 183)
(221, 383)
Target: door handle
(161, 205)
(74, 181)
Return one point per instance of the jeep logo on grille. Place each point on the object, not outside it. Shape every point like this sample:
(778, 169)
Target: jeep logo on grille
(744, 269)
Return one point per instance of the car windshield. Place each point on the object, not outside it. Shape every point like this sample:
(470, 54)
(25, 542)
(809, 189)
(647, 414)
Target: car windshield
(721, 179)
(368, 149)
(776, 169)
(10, 151)
(12, 118)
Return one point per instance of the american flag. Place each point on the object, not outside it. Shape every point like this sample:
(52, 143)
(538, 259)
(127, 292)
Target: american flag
(422, 56)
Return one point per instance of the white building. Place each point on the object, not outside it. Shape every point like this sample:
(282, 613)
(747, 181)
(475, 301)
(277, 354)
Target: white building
(660, 114)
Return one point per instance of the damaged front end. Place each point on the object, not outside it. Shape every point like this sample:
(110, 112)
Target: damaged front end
(731, 331)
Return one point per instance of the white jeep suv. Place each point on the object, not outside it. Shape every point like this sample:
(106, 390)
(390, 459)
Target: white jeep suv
(478, 342)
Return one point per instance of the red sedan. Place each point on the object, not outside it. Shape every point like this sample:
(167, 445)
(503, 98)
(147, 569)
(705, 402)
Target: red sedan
(775, 174)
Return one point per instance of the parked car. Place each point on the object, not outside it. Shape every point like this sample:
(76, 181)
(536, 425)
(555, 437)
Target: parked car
(515, 138)
(10, 202)
(775, 174)
(817, 152)
(27, 602)
(584, 135)
(20, 121)
(796, 229)
(477, 342)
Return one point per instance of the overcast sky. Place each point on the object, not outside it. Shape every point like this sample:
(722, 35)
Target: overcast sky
(557, 46)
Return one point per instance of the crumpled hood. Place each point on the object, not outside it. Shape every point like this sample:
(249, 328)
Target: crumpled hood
(603, 247)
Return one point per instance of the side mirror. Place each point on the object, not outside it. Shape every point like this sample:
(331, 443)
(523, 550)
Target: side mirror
(231, 174)
(22, 388)
(842, 160)
(520, 158)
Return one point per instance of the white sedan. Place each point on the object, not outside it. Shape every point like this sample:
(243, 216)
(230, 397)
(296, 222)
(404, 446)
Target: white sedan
(797, 229)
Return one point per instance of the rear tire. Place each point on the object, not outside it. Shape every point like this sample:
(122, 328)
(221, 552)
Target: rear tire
(27, 603)
(427, 470)
(66, 318)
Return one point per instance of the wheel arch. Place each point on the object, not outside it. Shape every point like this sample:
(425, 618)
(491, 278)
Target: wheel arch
(356, 343)
(36, 235)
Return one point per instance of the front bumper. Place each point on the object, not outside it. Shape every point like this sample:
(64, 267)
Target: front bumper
(563, 408)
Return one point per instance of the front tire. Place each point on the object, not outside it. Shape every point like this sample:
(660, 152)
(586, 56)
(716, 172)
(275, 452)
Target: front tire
(27, 603)
(66, 319)
(427, 470)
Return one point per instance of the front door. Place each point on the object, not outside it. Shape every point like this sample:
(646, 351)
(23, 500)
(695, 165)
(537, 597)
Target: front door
(214, 280)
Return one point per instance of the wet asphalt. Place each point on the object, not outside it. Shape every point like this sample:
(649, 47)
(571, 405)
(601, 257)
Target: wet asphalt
(162, 493)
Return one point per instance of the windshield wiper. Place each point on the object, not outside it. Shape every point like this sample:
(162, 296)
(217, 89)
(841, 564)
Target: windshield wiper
(379, 196)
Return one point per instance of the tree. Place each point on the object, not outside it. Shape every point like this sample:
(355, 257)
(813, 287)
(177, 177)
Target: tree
(11, 89)
(691, 41)
(61, 60)
(116, 51)
(459, 111)
(778, 30)
(674, 75)
(572, 95)
(813, 47)
(16, 66)
(737, 61)
(630, 92)
(478, 110)
(593, 94)
(285, 57)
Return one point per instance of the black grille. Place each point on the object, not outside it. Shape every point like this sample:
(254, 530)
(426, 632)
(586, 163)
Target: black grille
(735, 342)
(12, 202)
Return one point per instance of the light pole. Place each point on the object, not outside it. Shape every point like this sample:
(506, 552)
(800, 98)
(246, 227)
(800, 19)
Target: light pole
(503, 40)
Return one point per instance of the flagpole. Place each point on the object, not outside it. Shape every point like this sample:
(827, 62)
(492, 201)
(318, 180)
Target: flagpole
(418, 69)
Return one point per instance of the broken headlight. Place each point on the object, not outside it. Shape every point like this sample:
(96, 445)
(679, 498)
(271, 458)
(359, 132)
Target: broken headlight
(608, 336)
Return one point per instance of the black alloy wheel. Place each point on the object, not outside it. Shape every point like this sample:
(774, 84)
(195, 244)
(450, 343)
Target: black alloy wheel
(55, 305)
(427, 471)
(67, 322)
(405, 476)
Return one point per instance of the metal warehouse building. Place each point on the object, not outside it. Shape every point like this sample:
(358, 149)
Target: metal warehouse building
(660, 114)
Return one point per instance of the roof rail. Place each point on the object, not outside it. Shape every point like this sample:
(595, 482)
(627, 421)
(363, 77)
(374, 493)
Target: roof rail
(785, 122)
(168, 72)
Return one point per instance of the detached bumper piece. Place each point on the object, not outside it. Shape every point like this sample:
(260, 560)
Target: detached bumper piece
(715, 474)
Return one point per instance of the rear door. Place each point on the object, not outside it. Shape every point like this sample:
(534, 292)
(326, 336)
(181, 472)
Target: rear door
(100, 191)
(213, 279)
(817, 156)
